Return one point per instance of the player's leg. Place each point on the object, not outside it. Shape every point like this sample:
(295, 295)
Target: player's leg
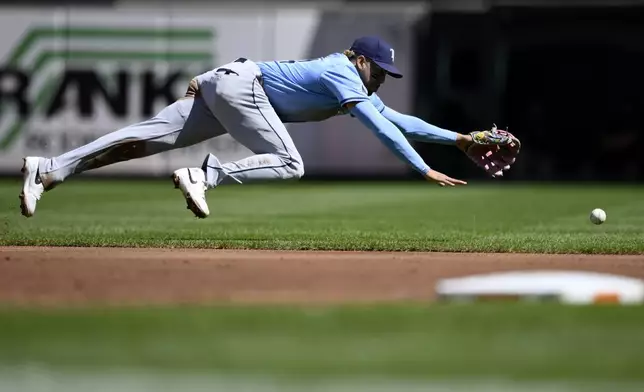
(239, 102)
(237, 99)
(183, 123)
(243, 108)
(163, 132)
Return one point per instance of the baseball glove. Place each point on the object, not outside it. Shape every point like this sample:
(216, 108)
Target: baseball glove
(493, 150)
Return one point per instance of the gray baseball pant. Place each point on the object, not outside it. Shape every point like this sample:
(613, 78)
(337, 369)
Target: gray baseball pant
(230, 99)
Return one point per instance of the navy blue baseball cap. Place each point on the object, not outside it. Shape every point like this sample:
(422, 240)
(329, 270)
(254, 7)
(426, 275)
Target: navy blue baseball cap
(378, 51)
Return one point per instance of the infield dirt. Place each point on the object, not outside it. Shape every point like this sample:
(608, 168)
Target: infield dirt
(42, 276)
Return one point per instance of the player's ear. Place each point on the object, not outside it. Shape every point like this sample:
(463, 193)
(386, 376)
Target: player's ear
(361, 61)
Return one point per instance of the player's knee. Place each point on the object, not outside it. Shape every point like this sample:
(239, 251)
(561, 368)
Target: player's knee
(299, 171)
(295, 169)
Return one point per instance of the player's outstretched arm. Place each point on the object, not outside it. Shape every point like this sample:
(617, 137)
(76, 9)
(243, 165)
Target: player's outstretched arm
(492, 150)
(396, 142)
(417, 129)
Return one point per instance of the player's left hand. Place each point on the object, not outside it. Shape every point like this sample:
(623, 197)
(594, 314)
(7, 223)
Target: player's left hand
(442, 179)
(493, 150)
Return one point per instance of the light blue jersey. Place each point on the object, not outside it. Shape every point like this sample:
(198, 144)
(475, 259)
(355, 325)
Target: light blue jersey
(317, 89)
(314, 90)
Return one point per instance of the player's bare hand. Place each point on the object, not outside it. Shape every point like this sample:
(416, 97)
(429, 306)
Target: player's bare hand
(442, 180)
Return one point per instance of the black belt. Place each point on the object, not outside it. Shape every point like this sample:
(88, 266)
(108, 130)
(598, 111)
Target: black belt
(242, 60)
(229, 71)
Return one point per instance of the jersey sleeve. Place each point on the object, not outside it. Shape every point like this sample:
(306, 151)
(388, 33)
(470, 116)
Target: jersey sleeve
(390, 135)
(416, 129)
(344, 84)
(377, 102)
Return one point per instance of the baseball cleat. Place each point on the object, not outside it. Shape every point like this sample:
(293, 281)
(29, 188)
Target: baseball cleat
(32, 188)
(192, 182)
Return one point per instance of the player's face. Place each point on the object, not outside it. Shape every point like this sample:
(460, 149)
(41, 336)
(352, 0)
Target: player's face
(371, 74)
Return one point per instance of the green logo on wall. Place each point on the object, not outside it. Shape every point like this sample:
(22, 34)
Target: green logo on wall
(47, 63)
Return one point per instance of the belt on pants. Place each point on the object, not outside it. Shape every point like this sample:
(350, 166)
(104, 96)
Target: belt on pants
(193, 86)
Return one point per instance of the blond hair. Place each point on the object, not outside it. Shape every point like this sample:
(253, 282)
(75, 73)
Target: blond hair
(349, 53)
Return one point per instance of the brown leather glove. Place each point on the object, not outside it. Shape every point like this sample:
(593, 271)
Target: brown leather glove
(493, 150)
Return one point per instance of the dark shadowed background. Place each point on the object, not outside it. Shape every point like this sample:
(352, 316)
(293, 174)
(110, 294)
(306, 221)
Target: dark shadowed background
(566, 80)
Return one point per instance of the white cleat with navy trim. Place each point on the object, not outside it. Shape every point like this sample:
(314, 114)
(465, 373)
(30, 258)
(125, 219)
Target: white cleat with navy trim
(192, 182)
(32, 187)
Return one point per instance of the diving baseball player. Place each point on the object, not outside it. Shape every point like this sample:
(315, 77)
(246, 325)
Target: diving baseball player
(251, 101)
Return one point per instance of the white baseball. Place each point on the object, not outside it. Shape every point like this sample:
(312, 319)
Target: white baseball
(598, 216)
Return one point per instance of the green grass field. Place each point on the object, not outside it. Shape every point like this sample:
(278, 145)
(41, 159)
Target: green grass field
(408, 345)
(411, 216)
(446, 347)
